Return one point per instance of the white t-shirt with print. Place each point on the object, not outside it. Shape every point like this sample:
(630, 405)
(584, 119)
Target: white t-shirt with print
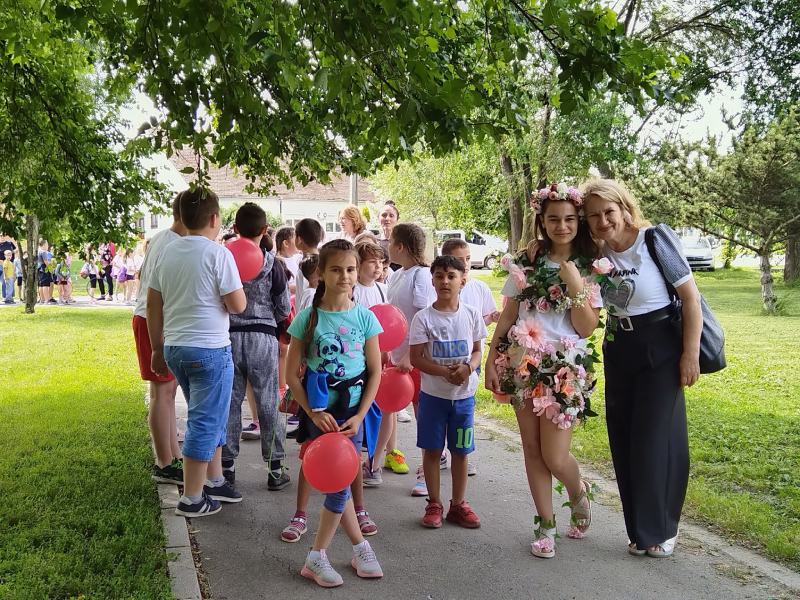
(478, 295)
(449, 337)
(635, 286)
(154, 251)
(193, 277)
(554, 326)
(369, 296)
(410, 290)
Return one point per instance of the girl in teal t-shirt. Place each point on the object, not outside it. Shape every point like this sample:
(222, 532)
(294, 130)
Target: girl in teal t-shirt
(337, 340)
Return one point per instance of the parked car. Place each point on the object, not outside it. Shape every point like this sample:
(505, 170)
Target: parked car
(484, 249)
(699, 253)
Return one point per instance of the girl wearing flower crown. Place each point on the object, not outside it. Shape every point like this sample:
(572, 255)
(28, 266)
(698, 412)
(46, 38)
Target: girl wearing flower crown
(540, 359)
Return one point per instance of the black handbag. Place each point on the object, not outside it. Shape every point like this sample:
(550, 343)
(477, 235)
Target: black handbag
(712, 338)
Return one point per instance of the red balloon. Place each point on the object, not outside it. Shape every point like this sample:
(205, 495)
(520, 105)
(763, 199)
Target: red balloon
(331, 462)
(248, 257)
(395, 391)
(395, 326)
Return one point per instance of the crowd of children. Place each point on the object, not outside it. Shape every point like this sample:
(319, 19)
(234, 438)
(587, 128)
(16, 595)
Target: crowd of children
(301, 333)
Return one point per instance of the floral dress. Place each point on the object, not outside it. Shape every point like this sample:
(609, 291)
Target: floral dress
(542, 362)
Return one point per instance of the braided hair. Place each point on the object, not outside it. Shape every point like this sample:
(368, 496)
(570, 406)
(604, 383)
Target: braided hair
(325, 253)
(412, 238)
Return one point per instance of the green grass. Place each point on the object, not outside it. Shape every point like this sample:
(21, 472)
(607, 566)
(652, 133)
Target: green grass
(79, 516)
(744, 422)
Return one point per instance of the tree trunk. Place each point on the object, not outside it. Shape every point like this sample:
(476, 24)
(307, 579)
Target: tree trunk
(768, 297)
(527, 222)
(514, 208)
(32, 238)
(791, 268)
(541, 174)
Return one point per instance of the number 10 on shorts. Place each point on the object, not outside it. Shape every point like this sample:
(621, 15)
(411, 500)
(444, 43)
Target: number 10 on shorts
(464, 438)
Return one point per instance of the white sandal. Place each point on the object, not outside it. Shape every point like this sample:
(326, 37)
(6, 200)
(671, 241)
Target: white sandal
(662, 550)
(544, 546)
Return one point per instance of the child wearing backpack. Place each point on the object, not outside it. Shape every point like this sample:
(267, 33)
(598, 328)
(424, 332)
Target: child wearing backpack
(337, 340)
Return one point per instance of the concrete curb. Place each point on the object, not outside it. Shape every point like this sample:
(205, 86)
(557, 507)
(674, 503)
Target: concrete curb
(701, 537)
(182, 572)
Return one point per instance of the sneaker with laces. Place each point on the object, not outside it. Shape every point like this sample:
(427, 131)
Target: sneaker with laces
(463, 515)
(295, 529)
(372, 478)
(420, 487)
(320, 570)
(443, 464)
(251, 432)
(433, 515)
(224, 493)
(396, 462)
(365, 523)
(403, 416)
(171, 473)
(471, 468)
(277, 480)
(204, 508)
(365, 562)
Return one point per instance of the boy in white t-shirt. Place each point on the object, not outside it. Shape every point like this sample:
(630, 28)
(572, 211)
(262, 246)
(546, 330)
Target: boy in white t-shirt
(193, 288)
(445, 345)
(475, 293)
(368, 291)
(310, 273)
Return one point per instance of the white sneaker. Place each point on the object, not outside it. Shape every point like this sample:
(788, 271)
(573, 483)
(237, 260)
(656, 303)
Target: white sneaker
(372, 478)
(321, 571)
(365, 562)
(443, 460)
(420, 487)
(403, 416)
(471, 468)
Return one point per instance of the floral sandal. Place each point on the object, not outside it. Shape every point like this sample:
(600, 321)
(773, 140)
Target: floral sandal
(544, 546)
(581, 513)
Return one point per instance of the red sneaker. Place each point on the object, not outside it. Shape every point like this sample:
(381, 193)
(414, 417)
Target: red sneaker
(462, 514)
(433, 515)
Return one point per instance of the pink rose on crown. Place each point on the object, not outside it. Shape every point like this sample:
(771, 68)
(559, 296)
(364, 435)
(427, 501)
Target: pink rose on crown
(542, 305)
(555, 292)
(602, 266)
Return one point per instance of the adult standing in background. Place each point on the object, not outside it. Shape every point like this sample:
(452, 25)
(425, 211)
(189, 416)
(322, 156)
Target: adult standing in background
(647, 363)
(388, 218)
(107, 252)
(352, 223)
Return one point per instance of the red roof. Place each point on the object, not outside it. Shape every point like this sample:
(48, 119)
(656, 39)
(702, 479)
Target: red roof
(228, 185)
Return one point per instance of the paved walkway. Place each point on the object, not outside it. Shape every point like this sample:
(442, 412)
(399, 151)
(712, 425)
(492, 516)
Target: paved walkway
(244, 558)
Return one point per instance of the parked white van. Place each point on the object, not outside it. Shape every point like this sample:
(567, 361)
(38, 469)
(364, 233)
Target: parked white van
(484, 249)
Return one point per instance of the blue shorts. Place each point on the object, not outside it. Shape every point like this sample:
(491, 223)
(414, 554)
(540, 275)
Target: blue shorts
(440, 420)
(206, 378)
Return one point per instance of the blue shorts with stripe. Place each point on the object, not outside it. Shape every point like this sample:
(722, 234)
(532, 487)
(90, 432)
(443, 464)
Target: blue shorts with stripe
(440, 420)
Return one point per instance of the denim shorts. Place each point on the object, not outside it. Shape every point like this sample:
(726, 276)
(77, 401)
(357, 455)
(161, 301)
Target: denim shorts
(440, 420)
(206, 378)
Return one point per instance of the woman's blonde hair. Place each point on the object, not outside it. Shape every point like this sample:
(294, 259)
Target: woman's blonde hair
(615, 191)
(352, 213)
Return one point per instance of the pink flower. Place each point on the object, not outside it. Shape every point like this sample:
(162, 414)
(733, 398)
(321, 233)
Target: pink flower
(555, 292)
(553, 195)
(506, 261)
(602, 266)
(575, 195)
(544, 193)
(518, 277)
(542, 305)
(594, 292)
(568, 342)
(553, 412)
(502, 360)
(527, 334)
(522, 370)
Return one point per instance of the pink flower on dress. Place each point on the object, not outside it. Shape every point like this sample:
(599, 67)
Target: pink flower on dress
(503, 361)
(518, 277)
(506, 261)
(555, 292)
(527, 334)
(542, 305)
(522, 369)
(568, 342)
(602, 266)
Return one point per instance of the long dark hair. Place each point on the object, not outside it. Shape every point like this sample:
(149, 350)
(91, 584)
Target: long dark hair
(325, 253)
(412, 238)
(583, 245)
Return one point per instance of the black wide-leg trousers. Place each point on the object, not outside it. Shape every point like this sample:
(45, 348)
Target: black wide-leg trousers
(646, 418)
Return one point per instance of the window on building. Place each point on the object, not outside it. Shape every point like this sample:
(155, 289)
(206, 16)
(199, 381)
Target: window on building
(153, 221)
(140, 224)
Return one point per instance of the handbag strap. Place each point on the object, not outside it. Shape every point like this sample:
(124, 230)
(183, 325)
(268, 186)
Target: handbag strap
(649, 240)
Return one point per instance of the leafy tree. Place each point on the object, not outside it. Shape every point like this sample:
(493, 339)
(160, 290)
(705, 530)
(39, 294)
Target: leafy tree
(750, 196)
(65, 164)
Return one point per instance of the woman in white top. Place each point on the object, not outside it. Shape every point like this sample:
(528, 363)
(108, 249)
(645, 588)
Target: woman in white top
(352, 223)
(540, 359)
(647, 363)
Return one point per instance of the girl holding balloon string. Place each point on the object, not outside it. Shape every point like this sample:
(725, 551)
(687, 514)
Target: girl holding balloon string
(337, 340)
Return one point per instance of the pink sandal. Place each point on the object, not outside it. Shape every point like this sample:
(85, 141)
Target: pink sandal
(295, 529)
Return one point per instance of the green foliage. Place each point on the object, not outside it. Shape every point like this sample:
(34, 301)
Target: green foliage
(292, 90)
(81, 514)
(227, 213)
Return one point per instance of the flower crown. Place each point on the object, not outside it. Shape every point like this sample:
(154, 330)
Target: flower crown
(556, 191)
